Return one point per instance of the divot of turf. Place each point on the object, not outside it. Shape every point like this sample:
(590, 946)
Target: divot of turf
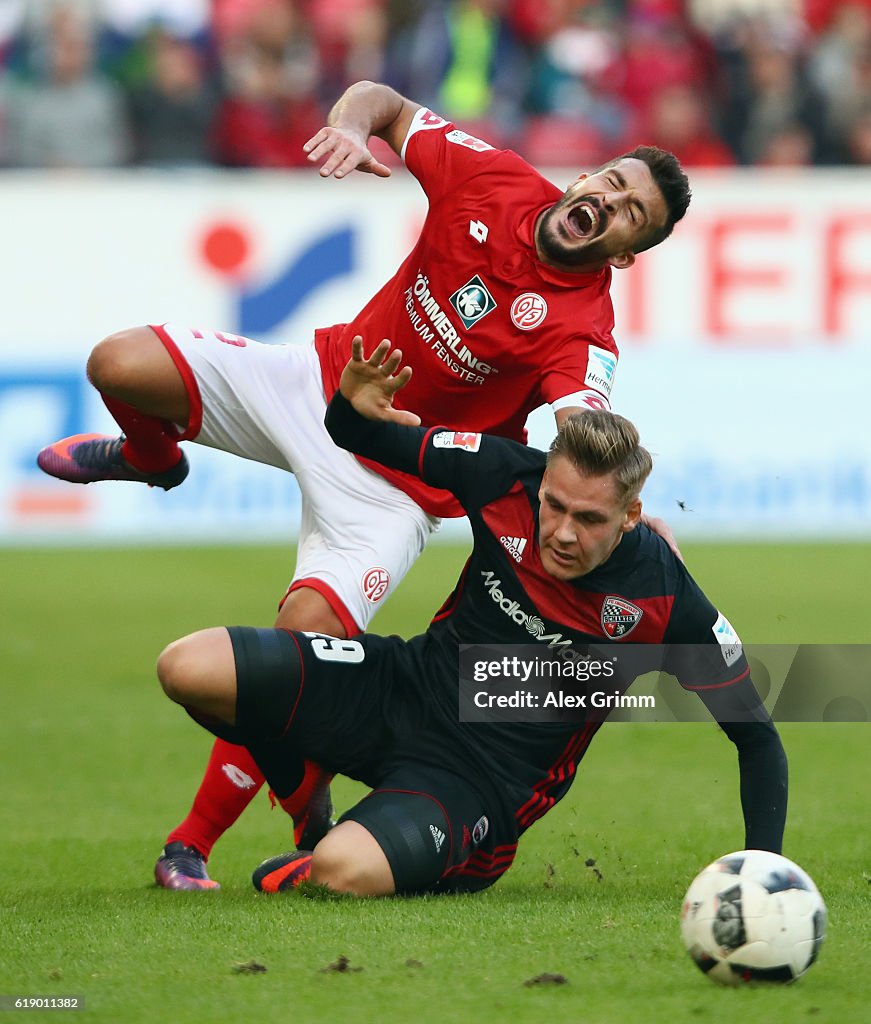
(590, 862)
(546, 979)
(342, 965)
(249, 967)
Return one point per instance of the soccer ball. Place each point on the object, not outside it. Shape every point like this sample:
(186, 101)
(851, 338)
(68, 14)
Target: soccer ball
(753, 916)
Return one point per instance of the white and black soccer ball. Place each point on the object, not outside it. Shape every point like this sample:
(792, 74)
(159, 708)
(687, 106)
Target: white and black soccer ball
(753, 916)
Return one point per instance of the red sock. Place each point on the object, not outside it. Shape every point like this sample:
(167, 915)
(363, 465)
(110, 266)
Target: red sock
(297, 803)
(231, 782)
(151, 445)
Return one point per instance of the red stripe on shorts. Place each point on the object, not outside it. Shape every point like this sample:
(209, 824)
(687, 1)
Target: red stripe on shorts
(195, 401)
(331, 597)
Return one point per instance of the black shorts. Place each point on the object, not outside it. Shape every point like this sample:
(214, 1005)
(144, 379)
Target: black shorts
(435, 831)
(351, 706)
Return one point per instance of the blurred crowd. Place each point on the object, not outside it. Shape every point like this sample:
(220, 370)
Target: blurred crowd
(243, 83)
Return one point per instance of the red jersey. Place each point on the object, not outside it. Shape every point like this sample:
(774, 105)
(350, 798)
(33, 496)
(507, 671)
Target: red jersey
(491, 332)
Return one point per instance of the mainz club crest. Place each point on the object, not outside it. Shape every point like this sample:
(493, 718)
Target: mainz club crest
(375, 583)
(528, 311)
(620, 617)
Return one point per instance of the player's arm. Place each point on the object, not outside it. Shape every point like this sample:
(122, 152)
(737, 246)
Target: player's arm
(361, 418)
(706, 655)
(762, 766)
(364, 109)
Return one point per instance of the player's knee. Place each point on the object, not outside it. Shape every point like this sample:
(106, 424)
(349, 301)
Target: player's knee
(192, 670)
(175, 670)
(116, 362)
(341, 872)
(349, 865)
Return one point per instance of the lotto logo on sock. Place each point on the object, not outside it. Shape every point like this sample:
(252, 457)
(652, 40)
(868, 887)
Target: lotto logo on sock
(240, 779)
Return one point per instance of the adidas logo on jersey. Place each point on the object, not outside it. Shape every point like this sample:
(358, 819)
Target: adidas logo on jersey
(514, 546)
(438, 837)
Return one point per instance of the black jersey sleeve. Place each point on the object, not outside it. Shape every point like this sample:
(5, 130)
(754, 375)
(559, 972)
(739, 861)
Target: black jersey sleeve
(702, 649)
(475, 467)
(706, 655)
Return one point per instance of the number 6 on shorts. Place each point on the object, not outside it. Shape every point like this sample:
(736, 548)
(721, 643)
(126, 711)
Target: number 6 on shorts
(331, 648)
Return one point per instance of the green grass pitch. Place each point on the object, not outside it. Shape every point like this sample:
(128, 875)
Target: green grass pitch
(97, 766)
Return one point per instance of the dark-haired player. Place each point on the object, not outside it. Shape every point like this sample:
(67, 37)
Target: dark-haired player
(502, 306)
(558, 547)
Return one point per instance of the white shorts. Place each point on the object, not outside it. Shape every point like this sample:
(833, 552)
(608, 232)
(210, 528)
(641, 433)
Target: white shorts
(359, 534)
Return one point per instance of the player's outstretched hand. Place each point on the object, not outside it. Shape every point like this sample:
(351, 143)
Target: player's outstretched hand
(661, 527)
(370, 384)
(340, 151)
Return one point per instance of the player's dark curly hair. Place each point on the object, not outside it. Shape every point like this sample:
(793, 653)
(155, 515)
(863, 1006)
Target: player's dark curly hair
(598, 442)
(672, 183)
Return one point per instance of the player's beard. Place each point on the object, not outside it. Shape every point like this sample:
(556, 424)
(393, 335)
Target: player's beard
(563, 251)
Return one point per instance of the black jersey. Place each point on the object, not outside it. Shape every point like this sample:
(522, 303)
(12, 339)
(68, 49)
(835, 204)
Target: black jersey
(641, 594)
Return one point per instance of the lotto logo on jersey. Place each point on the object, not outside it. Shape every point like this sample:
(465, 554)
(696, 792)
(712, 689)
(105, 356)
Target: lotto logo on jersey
(473, 301)
(457, 439)
(601, 365)
(619, 617)
(729, 641)
(375, 583)
(528, 311)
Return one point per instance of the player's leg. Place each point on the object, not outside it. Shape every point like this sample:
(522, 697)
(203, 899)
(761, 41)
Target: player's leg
(231, 769)
(144, 389)
(201, 673)
(246, 685)
(233, 778)
(422, 830)
(348, 860)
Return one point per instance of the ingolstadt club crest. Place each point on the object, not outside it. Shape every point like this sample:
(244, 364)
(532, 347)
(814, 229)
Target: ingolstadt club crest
(619, 617)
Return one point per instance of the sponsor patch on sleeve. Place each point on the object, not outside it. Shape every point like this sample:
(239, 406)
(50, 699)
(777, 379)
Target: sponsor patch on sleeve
(601, 365)
(456, 439)
(460, 138)
(728, 639)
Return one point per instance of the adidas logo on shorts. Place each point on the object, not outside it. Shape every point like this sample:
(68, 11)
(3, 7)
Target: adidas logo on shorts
(514, 546)
(438, 837)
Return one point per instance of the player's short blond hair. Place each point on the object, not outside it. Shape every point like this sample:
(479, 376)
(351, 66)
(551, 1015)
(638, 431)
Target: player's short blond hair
(599, 442)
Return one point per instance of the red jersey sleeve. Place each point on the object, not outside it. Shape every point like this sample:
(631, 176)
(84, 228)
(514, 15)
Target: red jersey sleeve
(439, 154)
(581, 373)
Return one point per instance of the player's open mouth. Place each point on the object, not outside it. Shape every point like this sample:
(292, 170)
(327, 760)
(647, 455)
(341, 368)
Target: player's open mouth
(583, 220)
